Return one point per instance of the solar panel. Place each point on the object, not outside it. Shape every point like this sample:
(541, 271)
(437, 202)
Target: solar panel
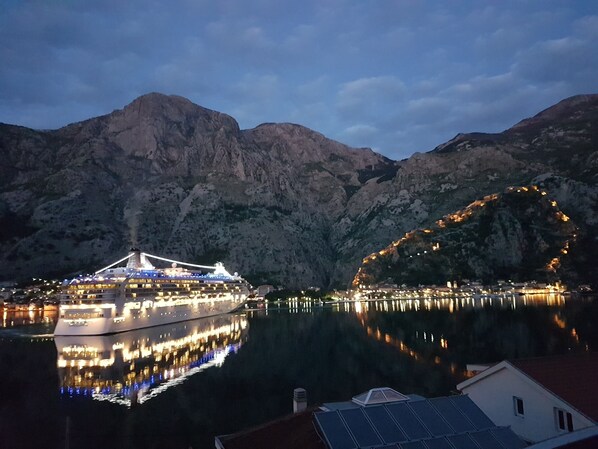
(408, 421)
(452, 415)
(508, 438)
(390, 446)
(384, 424)
(462, 441)
(438, 443)
(472, 411)
(430, 417)
(360, 427)
(334, 431)
(413, 445)
(485, 440)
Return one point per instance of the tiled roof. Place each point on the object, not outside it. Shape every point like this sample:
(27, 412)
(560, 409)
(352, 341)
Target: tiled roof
(571, 377)
(588, 443)
(290, 432)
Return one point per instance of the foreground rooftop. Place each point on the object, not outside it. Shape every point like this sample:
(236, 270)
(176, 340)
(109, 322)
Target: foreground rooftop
(381, 419)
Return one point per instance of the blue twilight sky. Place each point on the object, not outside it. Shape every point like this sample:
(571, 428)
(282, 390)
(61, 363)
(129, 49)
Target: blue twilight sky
(397, 76)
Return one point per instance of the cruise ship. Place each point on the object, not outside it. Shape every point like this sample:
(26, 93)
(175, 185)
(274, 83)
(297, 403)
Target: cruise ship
(122, 298)
(130, 368)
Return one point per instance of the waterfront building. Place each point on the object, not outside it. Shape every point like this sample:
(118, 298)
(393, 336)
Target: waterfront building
(262, 290)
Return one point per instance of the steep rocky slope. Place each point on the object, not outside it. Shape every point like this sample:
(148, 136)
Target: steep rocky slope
(556, 150)
(178, 180)
(519, 235)
(278, 203)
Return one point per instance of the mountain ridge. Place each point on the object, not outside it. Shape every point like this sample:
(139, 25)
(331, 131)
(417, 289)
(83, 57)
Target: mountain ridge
(279, 202)
(519, 234)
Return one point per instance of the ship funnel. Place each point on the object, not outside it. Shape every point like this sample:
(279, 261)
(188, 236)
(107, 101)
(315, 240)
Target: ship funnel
(138, 261)
(134, 259)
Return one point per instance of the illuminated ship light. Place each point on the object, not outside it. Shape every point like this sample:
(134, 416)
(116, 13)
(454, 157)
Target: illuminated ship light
(117, 299)
(133, 367)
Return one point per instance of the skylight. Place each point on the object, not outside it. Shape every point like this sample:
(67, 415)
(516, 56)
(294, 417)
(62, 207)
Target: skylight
(379, 396)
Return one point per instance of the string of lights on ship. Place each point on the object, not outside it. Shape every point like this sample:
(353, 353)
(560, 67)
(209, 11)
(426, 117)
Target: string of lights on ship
(156, 274)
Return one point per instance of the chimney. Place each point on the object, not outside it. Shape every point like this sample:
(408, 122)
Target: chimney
(299, 400)
(135, 259)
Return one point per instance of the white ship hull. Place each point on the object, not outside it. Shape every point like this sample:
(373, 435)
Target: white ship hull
(139, 295)
(141, 318)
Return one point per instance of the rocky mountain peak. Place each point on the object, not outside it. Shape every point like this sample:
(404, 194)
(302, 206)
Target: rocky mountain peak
(279, 203)
(174, 108)
(299, 145)
(572, 109)
(153, 125)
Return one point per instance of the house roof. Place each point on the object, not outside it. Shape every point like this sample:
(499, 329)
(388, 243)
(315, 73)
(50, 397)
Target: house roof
(586, 438)
(453, 421)
(588, 443)
(572, 377)
(290, 432)
(428, 423)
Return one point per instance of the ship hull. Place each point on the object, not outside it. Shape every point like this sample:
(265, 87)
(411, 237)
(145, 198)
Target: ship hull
(143, 318)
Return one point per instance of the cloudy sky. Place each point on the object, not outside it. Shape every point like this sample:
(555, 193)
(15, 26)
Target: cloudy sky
(397, 76)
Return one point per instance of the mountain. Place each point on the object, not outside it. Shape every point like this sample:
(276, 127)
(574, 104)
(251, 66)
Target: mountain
(178, 180)
(518, 235)
(557, 150)
(278, 203)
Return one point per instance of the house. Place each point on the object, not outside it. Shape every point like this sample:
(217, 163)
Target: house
(289, 432)
(262, 290)
(539, 398)
(381, 418)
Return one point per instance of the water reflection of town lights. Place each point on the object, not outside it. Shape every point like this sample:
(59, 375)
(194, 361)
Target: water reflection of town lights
(358, 308)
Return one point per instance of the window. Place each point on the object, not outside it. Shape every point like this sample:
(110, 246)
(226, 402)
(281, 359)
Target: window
(563, 420)
(518, 406)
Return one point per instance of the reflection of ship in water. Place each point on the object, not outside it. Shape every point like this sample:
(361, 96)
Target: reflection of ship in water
(133, 367)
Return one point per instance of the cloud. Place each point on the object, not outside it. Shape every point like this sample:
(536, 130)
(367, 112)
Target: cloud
(587, 27)
(568, 59)
(258, 87)
(361, 133)
(369, 96)
(427, 109)
(399, 76)
(301, 37)
(252, 98)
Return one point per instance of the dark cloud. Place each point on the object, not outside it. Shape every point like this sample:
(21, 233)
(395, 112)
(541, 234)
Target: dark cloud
(399, 76)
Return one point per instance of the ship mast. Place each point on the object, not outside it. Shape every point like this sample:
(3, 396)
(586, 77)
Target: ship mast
(138, 260)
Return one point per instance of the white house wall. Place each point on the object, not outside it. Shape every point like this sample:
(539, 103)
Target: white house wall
(494, 395)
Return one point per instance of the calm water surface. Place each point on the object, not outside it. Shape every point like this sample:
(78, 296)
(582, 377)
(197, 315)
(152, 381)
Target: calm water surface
(179, 385)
